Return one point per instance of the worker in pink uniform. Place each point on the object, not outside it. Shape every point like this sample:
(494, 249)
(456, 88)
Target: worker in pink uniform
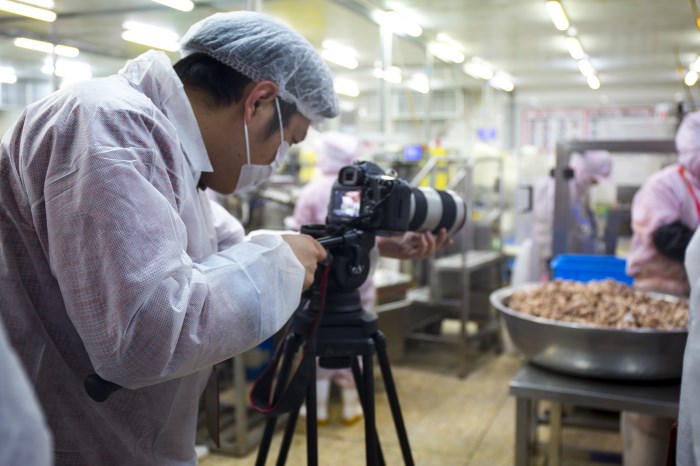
(665, 214)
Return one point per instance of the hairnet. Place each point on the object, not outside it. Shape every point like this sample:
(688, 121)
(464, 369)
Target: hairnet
(336, 150)
(264, 49)
(593, 165)
(688, 143)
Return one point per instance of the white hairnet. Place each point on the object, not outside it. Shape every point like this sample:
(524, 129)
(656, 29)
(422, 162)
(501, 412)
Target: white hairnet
(264, 49)
(335, 151)
(688, 143)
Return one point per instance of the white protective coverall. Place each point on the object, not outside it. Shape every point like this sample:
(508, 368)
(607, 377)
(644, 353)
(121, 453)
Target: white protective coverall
(688, 446)
(24, 436)
(109, 263)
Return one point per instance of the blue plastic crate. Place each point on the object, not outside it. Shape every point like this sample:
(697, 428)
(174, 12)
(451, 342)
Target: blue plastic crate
(584, 268)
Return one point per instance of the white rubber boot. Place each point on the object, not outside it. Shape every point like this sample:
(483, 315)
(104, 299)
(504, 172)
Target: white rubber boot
(352, 409)
(323, 390)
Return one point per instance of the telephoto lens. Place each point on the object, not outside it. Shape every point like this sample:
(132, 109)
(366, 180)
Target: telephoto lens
(432, 209)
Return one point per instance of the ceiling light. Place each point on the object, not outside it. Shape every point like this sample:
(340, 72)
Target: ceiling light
(575, 48)
(558, 15)
(445, 52)
(419, 83)
(442, 37)
(593, 82)
(46, 47)
(182, 5)
(378, 72)
(29, 11)
(399, 24)
(73, 71)
(346, 87)
(691, 77)
(150, 36)
(479, 69)
(339, 54)
(502, 81)
(392, 74)
(586, 68)
(695, 66)
(7, 75)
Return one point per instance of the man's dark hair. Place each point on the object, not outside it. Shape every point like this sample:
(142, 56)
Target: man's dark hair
(223, 85)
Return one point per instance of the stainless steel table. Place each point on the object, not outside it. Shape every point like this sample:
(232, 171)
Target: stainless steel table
(532, 384)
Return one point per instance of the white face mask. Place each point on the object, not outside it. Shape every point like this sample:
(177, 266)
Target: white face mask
(252, 174)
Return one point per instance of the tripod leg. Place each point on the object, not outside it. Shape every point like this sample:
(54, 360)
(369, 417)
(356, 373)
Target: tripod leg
(311, 421)
(291, 346)
(357, 375)
(380, 342)
(287, 439)
(370, 422)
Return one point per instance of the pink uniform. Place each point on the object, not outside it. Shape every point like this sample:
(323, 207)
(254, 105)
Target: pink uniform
(666, 197)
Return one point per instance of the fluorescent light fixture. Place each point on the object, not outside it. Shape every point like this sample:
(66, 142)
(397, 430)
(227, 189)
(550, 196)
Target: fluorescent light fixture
(29, 11)
(593, 82)
(182, 5)
(691, 77)
(445, 52)
(66, 51)
(399, 24)
(46, 47)
(575, 48)
(695, 66)
(70, 70)
(419, 83)
(444, 38)
(346, 87)
(392, 74)
(150, 36)
(477, 68)
(586, 68)
(558, 15)
(502, 81)
(339, 54)
(7, 75)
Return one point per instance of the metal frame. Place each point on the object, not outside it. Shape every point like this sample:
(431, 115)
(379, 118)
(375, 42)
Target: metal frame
(464, 174)
(562, 211)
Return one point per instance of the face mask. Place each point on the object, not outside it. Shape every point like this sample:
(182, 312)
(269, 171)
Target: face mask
(254, 175)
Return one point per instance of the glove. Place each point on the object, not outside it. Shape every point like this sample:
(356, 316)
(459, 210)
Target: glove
(672, 239)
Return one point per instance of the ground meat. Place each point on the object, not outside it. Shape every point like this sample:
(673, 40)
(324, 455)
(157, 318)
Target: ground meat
(601, 304)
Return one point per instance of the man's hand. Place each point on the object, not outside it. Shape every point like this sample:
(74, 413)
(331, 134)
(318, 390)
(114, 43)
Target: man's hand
(413, 245)
(309, 252)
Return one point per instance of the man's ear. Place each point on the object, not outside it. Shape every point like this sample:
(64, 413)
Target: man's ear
(262, 92)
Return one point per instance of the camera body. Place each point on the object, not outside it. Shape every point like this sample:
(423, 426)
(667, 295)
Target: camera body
(367, 198)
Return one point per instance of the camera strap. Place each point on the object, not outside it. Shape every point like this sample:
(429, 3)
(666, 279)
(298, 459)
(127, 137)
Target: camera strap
(290, 397)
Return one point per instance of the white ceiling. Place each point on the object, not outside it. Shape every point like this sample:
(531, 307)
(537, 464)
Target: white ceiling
(634, 45)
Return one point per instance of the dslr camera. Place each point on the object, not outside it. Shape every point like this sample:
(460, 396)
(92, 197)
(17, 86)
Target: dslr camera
(366, 197)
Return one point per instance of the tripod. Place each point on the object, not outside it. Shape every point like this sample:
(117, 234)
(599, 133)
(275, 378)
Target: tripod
(343, 335)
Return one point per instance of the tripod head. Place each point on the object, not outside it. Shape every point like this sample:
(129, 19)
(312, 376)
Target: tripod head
(349, 255)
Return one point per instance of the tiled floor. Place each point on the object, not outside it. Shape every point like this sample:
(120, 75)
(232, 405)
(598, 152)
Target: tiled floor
(450, 421)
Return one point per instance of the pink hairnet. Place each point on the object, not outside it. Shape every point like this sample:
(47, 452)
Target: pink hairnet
(336, 150)
(593, 165)
(688, 143)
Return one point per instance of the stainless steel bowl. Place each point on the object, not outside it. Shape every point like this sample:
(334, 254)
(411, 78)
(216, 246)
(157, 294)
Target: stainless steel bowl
(607, 353)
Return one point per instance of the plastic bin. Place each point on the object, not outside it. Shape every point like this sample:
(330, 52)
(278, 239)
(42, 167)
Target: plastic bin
(584, 268)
